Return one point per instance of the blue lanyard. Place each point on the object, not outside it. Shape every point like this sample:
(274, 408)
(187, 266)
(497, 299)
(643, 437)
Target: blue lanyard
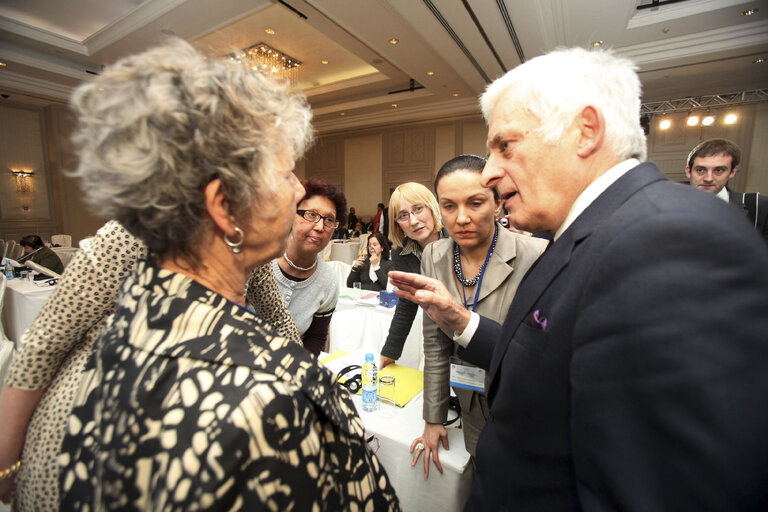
(480, 280)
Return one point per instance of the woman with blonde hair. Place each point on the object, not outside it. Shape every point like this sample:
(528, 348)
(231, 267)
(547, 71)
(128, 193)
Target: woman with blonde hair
(415, 222)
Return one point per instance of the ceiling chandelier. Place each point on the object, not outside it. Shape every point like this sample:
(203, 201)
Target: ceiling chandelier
(270, 62)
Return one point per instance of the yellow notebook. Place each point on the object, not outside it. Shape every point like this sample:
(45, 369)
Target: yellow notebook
(408, 382)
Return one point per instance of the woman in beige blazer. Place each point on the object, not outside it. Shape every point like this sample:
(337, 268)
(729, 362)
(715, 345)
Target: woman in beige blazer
(481, 264)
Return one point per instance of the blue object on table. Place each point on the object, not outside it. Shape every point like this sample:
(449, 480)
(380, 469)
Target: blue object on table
(387, 299)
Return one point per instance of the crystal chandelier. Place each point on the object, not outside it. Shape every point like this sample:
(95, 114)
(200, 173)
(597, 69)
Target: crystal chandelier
(269, 61)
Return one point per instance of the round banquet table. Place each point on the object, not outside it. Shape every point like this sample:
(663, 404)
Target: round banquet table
(23, 301)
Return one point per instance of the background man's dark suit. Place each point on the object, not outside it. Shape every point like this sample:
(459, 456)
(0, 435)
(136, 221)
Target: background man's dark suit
(656, 338)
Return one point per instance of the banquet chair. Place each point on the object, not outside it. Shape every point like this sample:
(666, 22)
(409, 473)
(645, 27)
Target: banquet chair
(3, 247)
(341, 270)
(7, 349)
(16, 252)
(62, 240)
(9, 245)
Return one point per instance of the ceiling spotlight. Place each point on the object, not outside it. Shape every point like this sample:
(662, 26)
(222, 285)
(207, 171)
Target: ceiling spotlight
(455, 94)
(270, 31)
(750, 12)
(761, 60)
(730, 119)
(342, 113)
(3, 64)
(323, 61)
(708, 120)
(597, 43)
(664, 124)
(692, 120)
(394, 40)
(430, 73)
(394, 105)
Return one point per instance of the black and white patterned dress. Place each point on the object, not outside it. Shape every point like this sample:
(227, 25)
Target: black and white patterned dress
(190, 402)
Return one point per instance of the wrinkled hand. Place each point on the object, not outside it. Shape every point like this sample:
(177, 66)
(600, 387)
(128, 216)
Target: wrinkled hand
(433, 297)
(385, 361)
(434, 434)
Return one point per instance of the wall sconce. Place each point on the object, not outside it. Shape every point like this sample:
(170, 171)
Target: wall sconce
(23, 179)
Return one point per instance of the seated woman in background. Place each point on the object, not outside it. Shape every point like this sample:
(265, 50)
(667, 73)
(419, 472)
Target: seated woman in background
(184, 379)
(414, 220)
(36, 251)
(481, 265)
(309, 285)
(371, 271)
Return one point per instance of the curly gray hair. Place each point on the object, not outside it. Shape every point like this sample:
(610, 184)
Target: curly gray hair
(155, 128)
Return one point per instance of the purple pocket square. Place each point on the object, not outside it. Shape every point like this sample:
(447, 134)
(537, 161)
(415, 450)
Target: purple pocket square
(536, 320)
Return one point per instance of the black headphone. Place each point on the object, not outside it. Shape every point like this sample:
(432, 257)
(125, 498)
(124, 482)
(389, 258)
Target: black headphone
(353, 383)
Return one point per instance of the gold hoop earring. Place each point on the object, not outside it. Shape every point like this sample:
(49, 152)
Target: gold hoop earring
(235, 246)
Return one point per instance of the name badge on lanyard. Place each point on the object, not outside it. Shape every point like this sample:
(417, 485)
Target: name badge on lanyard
(467, 377)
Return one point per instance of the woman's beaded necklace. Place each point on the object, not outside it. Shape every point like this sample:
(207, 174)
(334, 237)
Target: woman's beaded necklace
(300, 269)
(457, 261)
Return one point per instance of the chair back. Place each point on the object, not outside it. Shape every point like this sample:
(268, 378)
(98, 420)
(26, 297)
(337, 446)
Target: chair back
(62, 240)
(7, 349)
(341, 270)
(3, 245)
(17, 251)
(9, 249)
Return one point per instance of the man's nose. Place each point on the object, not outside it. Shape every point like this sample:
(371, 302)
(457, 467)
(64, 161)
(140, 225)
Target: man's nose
(710, 176)
(492, 173)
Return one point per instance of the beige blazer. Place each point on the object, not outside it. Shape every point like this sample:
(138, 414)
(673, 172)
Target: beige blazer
(512, 257)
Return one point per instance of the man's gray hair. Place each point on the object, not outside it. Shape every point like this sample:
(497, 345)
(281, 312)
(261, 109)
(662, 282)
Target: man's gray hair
(155, 128)
(555, 87)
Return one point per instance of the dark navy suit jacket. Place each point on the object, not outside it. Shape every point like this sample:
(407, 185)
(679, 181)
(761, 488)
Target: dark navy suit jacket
(631, 372)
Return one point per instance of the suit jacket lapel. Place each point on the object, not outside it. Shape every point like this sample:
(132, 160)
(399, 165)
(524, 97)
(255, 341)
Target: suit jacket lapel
(500, 264)
(558, 254)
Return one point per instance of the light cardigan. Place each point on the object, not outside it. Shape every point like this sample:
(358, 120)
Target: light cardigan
(314, 296)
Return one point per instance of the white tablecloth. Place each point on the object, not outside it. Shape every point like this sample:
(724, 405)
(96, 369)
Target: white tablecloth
(354, 326)
(394, 429)
(23, 301)
(346, 252)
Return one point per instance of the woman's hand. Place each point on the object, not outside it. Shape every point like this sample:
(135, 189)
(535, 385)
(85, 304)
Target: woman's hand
(434, 433)
(375, 258)
(385, 361)
(358, 262)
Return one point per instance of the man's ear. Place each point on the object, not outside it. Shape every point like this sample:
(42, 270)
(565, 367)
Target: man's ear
(733, 172)
(688, 172)
(216, 205)
(591, 125)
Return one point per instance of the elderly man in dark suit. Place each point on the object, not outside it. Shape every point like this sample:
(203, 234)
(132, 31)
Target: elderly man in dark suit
(630, 373)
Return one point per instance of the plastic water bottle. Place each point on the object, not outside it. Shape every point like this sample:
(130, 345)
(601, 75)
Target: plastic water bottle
(370, 379)
(8, 269)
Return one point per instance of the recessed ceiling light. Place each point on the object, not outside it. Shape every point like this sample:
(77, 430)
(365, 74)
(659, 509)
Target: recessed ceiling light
(3, 64)
(455, 94)
(168, 32)
(430, 73)
(270, 31)
(750, 12)
(597, 43)
(342, 113)
(394, 40)
(323, 61)
(394, 105)
(761, 60)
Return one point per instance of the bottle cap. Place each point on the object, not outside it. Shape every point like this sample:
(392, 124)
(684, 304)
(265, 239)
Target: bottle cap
(368, 358)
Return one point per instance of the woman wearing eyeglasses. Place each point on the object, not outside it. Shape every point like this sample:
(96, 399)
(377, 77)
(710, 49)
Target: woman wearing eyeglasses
(481, 265)
(414, 220)
(308, 285)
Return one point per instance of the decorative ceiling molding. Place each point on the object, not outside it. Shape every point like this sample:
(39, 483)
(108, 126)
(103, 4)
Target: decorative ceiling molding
(143, 15)
(370, 78)
(375, 100)
(422, 113)
(33, 86)
(701, 43)
(551, 14)
(673, 12)
(43, 36)
(48, 65)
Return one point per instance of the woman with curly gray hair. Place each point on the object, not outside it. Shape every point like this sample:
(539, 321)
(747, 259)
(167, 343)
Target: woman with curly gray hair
(190, 398)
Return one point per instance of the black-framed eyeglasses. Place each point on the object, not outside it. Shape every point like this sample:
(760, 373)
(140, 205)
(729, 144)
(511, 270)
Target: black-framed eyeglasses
(314, 218)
